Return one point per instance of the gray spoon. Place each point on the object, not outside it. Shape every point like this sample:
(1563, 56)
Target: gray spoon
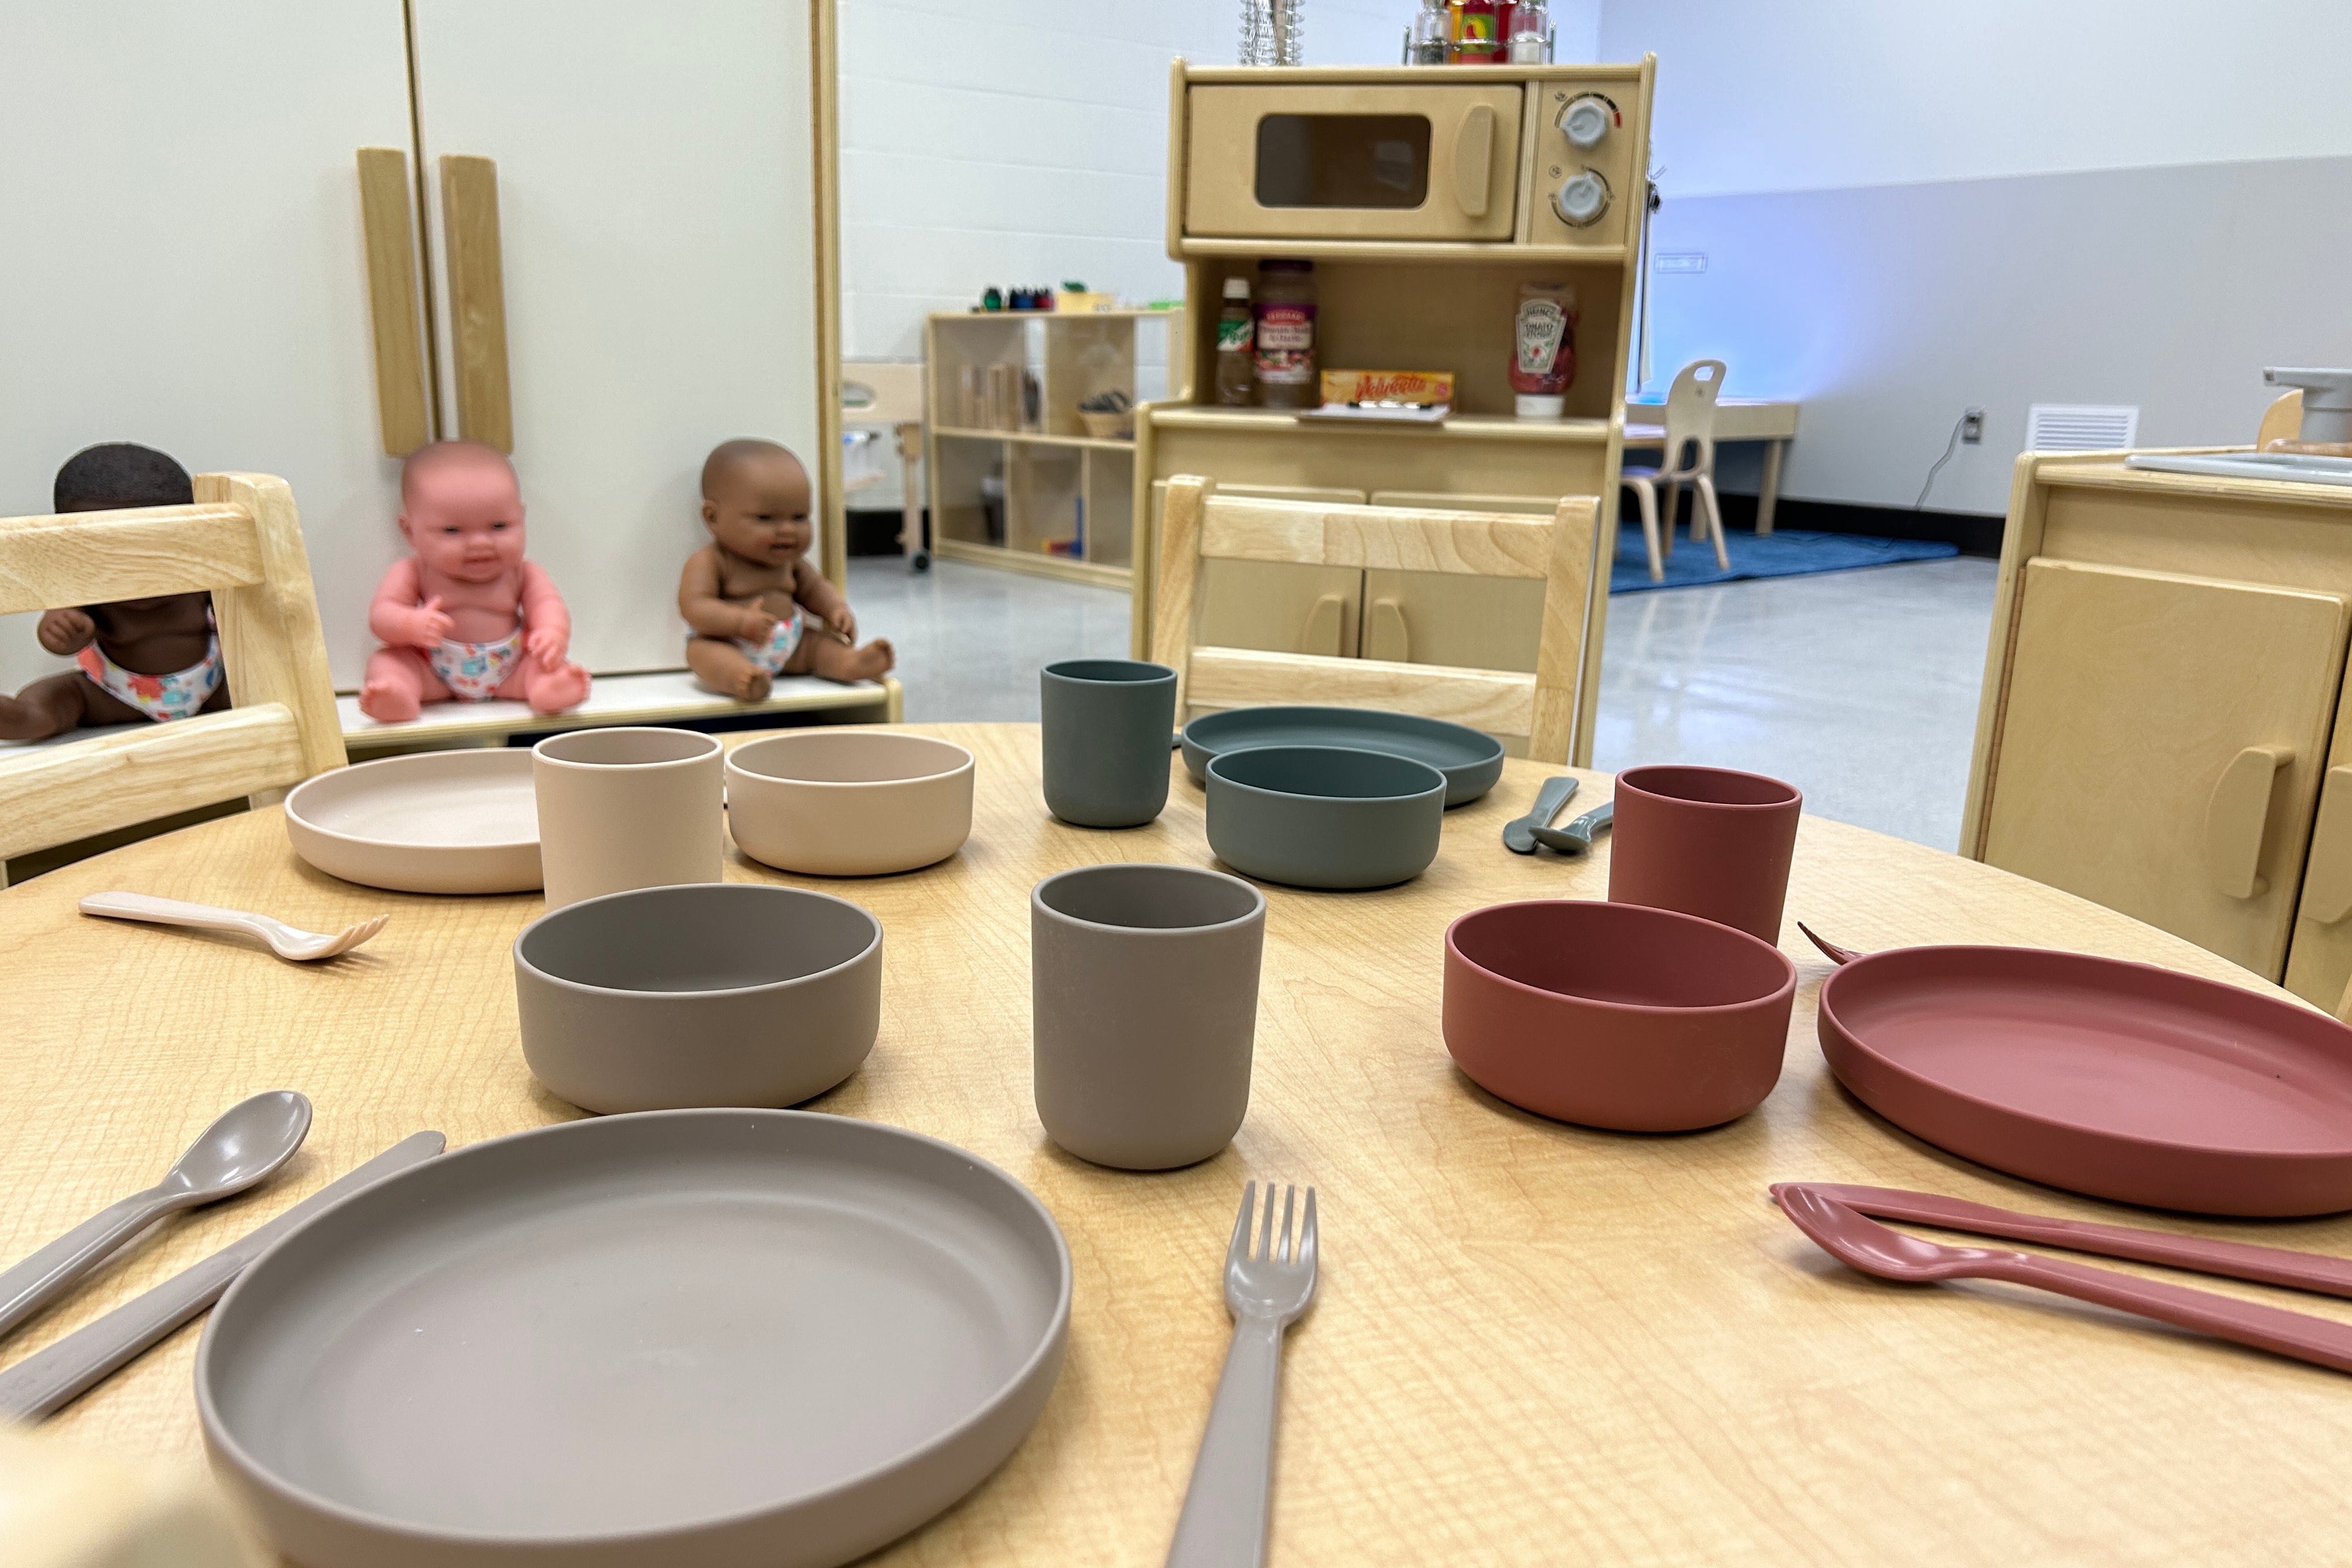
(252, 1139)
(1519, 833)
(1577, 837)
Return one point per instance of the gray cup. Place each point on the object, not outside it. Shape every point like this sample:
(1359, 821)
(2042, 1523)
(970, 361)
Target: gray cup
(1143, 984)
(1106, 726)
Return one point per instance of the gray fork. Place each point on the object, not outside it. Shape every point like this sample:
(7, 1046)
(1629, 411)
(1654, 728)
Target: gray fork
(1224, 1517)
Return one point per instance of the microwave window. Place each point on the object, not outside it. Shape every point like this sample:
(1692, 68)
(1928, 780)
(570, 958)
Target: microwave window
(1342, 160)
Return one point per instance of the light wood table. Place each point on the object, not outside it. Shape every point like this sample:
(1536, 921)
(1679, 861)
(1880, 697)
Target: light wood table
(1534, 1344)
(1773, 421)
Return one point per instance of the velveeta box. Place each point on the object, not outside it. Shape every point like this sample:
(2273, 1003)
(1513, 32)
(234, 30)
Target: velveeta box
(1424, 388)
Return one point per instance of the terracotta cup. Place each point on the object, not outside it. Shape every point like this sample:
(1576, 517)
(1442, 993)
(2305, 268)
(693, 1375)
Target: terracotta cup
(626, 809)
(1710, 842)
(1615, 1014)
(1107, 727)
(1143, 983)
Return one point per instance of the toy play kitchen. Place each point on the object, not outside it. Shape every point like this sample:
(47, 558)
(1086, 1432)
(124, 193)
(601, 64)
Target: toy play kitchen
(1400, 227)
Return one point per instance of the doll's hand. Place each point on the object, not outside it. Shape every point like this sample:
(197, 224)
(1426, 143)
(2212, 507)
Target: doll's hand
(757, 627)
(547, 645)
(66, 631)
(429, 625)
(842, 623)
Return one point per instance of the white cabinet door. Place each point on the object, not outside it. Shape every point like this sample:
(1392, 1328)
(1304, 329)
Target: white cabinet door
(657, 218)
(183, 265)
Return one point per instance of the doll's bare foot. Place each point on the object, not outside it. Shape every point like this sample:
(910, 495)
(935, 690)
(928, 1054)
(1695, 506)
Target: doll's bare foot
(390, 702)
(49, 706)
(721, 665)
(750, 684)
(554, 690)
(866, 663)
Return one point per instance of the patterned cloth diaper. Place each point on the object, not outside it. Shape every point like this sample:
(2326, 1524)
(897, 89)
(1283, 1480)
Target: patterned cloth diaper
(160, 697)
(473, 671)
(777, 651)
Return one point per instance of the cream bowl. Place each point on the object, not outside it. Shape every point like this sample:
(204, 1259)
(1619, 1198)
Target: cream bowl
(704, 994)
(849, 801)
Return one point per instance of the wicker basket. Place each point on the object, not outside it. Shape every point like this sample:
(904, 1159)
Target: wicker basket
(1120, 426)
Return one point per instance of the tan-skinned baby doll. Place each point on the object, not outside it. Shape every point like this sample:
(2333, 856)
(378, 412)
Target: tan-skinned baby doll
(750, 594)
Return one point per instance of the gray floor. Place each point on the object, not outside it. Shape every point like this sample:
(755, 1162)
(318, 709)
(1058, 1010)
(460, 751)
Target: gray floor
(1858, 686)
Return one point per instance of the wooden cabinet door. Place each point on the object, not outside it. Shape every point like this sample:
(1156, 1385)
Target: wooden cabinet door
(1434, 162)
(184, 266)
(2160, 745)
(659, 229)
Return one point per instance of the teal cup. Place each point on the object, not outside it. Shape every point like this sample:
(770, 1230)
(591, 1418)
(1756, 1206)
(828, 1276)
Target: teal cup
(1106, 726)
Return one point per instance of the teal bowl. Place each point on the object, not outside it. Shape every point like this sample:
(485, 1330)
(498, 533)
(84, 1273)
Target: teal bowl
(1324, 816)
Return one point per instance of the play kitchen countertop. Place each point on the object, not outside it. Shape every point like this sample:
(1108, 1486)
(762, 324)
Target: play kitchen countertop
(1531, 1339)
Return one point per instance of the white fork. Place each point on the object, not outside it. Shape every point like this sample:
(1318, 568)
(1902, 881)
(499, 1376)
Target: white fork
(1224, 1518)
(287, 941)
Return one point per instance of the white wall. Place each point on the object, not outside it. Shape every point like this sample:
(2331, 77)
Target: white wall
(1026, 142)
(1907, 210)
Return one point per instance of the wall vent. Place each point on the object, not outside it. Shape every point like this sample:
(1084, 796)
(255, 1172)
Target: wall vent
(2080, 427)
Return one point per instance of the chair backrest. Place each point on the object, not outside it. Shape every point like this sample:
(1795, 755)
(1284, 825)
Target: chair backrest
(1690, 419)
(242, 541)
(2282, 421)
(1198, 525)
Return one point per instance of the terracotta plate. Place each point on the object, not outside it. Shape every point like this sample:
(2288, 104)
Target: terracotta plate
(697, 1339)
(1470, 761)
(437, 822)
(2121, 1081)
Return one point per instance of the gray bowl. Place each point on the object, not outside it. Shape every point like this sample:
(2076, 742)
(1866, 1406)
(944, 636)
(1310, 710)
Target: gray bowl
(1470, 761)
(1324, 816)
(709, 994)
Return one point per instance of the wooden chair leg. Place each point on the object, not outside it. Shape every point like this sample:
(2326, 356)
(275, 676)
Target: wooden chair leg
(1704, 485)
(1647, 494)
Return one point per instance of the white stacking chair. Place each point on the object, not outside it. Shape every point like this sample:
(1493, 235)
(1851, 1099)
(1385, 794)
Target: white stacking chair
(1690, 423)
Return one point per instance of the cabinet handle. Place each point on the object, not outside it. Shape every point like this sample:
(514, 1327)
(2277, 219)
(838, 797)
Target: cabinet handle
(388, 219)
(2235, 815)
(1325, 624)
(2327, 875)
(1473, 158)
(477, 299)
(1385, 636)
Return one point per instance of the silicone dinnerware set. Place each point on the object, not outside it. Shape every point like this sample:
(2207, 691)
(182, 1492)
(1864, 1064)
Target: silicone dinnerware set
(369, 1389)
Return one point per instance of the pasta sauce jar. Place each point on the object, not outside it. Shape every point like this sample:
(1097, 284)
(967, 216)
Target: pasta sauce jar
(1285, 335)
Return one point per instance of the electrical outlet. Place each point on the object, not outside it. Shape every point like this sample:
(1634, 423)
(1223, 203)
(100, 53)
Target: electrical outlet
(1972, 426)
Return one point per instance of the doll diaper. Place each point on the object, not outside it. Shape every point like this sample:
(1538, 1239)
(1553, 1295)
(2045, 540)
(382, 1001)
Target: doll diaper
(160, 697)
(777, 651)
(474, 671)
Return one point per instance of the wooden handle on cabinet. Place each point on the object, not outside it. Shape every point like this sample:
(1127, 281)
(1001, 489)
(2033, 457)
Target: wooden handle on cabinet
(1384, 636)
(477, 299)
(1473, 158)
(2327, 874)
(388, 219)
(2235, 816)
(1326, 624)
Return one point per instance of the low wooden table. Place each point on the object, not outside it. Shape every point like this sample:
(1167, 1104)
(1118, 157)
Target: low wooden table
(1534, 1344)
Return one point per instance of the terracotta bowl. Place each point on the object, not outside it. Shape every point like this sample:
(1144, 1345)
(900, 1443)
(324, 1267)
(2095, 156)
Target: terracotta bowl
(851, 801)
(1616, 1016)
(707, 994)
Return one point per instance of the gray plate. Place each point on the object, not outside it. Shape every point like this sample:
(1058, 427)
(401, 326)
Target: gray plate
(1471, 762)
(694, 1338)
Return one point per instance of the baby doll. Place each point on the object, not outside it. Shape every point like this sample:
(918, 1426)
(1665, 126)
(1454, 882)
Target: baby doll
(141, 658)
(749, 592)
(466, 617)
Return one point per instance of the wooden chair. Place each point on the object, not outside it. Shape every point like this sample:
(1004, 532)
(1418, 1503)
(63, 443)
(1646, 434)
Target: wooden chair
(241, 540)
(1690, 422)
(2282, 421)
(1198, 525)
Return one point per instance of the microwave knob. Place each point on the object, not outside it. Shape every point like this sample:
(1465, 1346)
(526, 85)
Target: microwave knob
(1586, 120)
(1582, 197)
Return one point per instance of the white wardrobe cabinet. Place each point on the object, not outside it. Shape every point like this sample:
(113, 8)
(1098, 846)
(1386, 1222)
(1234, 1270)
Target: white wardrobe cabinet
(200, 278)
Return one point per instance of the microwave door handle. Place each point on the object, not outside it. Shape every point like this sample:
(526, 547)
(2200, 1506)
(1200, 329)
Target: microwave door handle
(1473, 158)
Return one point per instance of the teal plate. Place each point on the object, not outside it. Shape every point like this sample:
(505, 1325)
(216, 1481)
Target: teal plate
(1471, 762)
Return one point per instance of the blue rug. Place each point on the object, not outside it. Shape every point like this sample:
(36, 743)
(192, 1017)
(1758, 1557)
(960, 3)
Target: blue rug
(1784, 553)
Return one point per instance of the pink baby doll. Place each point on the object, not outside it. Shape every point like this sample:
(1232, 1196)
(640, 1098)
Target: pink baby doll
(466, 617)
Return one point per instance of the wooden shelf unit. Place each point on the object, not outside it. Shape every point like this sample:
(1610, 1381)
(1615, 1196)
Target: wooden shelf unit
(1000, 496)
(1407, 304)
